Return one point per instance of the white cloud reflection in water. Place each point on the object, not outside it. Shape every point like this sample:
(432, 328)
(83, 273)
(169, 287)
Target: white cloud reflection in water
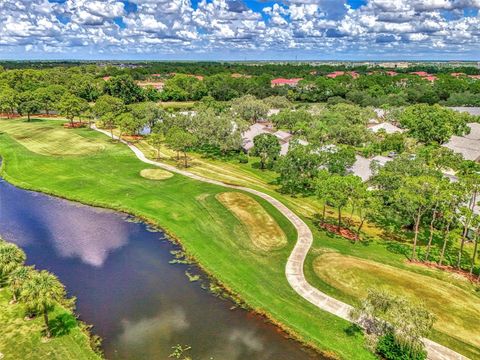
(80, 238)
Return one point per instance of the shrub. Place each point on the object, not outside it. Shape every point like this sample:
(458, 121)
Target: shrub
(243, 158)
(389, 349)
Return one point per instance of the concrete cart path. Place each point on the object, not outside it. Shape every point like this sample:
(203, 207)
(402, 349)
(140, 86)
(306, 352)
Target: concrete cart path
(294, 267)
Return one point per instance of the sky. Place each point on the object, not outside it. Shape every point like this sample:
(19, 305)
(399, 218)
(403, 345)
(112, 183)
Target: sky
(240, 29)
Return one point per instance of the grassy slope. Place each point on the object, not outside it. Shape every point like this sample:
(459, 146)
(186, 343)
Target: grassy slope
(188, 210)
(353, 276)
(22, 339)
(374, 249)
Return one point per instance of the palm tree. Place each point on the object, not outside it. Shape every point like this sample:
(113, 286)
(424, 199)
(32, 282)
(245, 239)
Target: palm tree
(41, 292)
(11, 257)
(17, 278)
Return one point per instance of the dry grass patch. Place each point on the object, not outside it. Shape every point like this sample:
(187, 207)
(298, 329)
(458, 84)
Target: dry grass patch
(454, 307)
(262, 229)
(49, 140)
(155, 174)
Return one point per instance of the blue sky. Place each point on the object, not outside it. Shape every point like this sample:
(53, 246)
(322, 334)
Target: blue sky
(240, 29)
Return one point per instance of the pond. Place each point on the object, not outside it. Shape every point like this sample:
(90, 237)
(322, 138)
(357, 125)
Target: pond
(120, 272)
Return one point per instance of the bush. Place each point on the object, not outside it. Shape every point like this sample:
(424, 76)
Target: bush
(243, 158)
(390, 350)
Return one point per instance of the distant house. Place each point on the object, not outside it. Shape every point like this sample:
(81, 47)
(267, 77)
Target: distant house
(468, 145)
(391, 73)
(457, 74)
(284, 137)
(363, 166)
(106, 78)
(254, 130)
(336, 74)
(420, 73)
(387, 127)
(283, 82)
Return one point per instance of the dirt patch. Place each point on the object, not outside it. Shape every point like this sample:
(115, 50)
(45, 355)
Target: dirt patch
(263, 231)
(155, 174)
(346, 233)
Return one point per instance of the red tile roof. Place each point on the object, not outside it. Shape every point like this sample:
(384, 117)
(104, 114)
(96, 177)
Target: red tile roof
(420, 73)
(282, 81)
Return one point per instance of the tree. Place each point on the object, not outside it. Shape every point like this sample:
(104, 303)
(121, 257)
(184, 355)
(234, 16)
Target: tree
(8, 100)
(476, 226)
(249, 108)
(433, 123)
(41, 292)
(106, 104)
(11, 257)
(17, 278)
(339, 160)
(180, 140)
(49, 96)
(267, 147)
(471, 185)
(298, 169)
(148, 112)
(156, 140)
(277, 102)
(128, 124)
(298, 121)
(335, 190)
(71, 106)
(124, 87)
(413, 199)
(27, 104)
(383, 314)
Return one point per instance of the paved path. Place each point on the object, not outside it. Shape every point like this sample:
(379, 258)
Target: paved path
(294, 267)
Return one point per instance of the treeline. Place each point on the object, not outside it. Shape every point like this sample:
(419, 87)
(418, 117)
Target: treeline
(182, 83)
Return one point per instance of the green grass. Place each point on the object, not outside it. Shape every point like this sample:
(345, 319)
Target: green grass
(353, 276)
(376, 247)
(22, 339)
(49, 141)
(209, 233)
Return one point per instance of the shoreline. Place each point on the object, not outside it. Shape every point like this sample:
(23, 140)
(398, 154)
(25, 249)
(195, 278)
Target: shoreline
(233, 296)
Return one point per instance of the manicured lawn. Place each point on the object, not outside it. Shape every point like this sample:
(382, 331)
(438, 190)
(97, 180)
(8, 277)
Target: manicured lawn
(190, 211)
(376, 248)
(353, 276)
(22, 339)
(47, 141)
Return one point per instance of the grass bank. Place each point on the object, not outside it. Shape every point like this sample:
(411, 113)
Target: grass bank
(454, 327)
(189, 211)
(21, 338)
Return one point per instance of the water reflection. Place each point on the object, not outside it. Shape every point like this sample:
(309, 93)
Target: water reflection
(79, 234)
(120, 273)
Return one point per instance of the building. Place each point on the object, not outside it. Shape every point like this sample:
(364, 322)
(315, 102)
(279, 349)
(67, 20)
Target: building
(363, 166)
(468, 145)
(387, 127)
(256, 129)
(283, 82)
(336, 74)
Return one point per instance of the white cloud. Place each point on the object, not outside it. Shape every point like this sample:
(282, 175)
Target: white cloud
(177, 27)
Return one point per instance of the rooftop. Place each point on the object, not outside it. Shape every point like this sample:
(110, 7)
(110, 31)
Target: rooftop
(468, 145)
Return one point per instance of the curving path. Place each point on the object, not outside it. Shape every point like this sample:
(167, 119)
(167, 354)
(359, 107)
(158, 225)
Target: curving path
(294, 267)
